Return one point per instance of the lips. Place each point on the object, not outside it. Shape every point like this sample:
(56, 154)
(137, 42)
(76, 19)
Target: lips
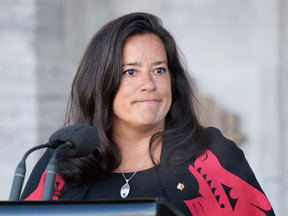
(148, 101)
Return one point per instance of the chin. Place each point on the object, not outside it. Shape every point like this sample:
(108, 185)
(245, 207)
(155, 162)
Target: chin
(151, 123)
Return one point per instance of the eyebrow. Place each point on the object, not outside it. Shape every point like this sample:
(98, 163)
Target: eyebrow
(138, 63)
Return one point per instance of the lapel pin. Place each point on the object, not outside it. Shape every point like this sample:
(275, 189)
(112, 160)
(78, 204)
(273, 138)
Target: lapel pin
(180, 186)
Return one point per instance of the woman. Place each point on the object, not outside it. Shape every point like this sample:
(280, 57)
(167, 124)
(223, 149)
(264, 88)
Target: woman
(132, 87)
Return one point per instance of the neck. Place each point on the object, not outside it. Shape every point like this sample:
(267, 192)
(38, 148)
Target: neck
(134, 147)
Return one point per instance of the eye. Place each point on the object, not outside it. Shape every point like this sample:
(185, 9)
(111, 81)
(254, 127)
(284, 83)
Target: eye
(130, 72)
(160, 70)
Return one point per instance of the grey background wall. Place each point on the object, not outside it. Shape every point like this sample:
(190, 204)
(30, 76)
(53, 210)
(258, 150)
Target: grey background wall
(237, 51)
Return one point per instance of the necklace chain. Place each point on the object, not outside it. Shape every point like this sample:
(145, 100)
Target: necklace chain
(127, 180)
(125, 189)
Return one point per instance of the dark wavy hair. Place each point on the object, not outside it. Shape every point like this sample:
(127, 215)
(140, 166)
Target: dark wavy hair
(95, 86)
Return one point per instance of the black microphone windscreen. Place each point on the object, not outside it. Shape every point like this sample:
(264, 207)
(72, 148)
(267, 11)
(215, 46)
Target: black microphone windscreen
(83, 137)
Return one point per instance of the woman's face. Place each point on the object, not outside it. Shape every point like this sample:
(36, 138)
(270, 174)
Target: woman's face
(144, 96)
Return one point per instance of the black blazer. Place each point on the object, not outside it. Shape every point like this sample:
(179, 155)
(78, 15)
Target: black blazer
(220, 182)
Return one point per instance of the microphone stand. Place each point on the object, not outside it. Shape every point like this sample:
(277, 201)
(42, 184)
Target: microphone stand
(49, 182)
(20, 174)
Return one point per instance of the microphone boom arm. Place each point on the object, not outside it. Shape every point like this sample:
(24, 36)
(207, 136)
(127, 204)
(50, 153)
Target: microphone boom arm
(51, 172)
(20, 174)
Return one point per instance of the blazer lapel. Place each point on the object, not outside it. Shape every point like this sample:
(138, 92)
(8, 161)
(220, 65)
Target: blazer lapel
(172, 175)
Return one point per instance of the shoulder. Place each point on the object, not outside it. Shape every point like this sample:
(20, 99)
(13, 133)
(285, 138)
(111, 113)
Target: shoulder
(217, 139)
(229, 155)
(222, 146)
(224, 170)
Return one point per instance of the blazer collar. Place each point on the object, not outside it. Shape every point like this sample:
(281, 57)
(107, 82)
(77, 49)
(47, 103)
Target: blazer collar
(171, 174)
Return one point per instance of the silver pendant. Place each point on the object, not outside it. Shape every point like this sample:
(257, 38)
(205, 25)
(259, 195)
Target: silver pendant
(125, 189)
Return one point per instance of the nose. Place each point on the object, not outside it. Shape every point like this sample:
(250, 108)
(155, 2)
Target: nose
(147, 83)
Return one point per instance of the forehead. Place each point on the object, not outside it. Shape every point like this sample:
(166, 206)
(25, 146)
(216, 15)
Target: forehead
(147, 45)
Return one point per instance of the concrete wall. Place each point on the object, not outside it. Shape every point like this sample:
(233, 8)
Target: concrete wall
(236, 51)
(283, 102)
(18, 103)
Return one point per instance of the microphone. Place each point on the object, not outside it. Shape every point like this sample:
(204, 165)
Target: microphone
(21, 170)
(84, 139)
(76, 141)
(72, 134)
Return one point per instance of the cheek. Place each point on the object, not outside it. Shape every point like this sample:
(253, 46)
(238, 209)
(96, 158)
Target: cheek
(169, 99)
(166, 92)
(165, 86)
(169, 93)
(125, 89)
(123, 95)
